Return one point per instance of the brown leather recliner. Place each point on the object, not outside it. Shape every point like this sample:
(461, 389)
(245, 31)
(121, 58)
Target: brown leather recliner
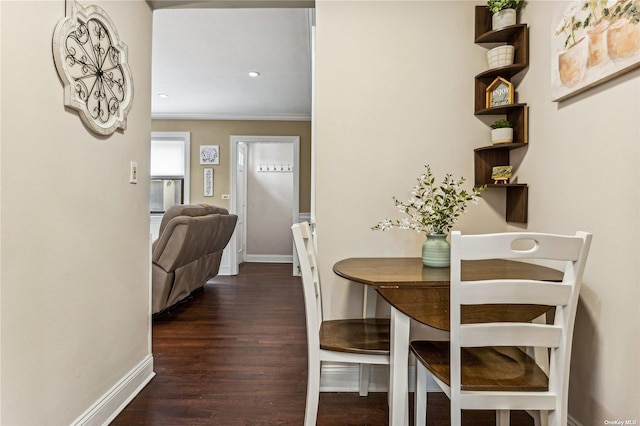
(188, 251)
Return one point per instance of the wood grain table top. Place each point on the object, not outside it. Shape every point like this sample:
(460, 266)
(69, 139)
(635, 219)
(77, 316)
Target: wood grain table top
(409, 271)
(422, 292)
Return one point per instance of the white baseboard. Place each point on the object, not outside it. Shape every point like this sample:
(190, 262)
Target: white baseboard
(337, 377)
(224, 270)
(269, 258)
(103, 411)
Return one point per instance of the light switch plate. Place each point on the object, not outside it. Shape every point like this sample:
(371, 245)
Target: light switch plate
(133, 172)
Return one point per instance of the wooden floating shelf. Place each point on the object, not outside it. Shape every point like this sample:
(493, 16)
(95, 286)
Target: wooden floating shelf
(503, 109)
(488, 157)
(506, 146)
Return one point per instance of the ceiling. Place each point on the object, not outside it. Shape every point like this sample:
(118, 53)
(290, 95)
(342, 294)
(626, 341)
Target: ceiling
(202, 58)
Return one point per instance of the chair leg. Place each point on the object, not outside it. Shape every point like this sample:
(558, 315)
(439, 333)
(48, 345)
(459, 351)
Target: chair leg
(540, 418)
(456, 413)
(420, 403)
(502, 417)
(363, 384)
(313, 393)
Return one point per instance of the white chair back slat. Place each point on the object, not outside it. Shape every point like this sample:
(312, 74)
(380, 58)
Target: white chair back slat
(510, 334)
(305, 249)
(514, 291)
(533, 246)
(510, 400)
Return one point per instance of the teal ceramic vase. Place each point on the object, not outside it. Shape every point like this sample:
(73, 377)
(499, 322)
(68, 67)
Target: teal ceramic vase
(436, 251)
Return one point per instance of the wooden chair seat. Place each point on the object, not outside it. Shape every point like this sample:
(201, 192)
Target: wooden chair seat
(358, 336)
(500, 368)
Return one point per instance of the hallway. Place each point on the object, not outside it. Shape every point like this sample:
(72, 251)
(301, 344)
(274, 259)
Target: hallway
(235, 355)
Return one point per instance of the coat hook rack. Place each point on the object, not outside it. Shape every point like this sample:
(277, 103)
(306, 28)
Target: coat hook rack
(276, 167)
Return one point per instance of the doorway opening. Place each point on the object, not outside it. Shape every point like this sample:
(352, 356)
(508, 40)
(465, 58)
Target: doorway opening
(264, 193)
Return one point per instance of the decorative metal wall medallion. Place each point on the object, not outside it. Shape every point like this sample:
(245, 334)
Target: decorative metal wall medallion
(93, 65)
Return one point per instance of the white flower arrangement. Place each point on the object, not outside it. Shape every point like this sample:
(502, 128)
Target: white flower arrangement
(432, 209)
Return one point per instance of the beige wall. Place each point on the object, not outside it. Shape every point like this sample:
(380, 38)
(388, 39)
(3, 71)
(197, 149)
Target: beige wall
(210, 132)
(391, 96)
(75, 233)
(585, 137)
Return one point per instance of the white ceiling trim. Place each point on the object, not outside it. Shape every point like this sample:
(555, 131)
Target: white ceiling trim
(235, 117)
(220, 4)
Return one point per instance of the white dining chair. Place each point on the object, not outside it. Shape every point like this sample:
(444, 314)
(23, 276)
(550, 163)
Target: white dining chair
(484, 365)
(355, 340)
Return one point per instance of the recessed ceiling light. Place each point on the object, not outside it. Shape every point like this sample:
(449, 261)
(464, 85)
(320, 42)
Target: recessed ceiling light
(253, 73)
(163, 95)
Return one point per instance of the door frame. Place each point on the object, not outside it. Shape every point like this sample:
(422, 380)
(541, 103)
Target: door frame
(234, 204)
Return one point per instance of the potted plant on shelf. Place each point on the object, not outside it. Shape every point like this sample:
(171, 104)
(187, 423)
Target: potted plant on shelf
(504, 12)
(433, 210)
(502, 132)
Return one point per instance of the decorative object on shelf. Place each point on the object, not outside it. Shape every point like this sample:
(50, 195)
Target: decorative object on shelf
(500, 56)
(500, 92)
(92, 63)
(502, 132)
(504, 12)
(501, 174)
(209, 154)
(594, 41)
(208, 182)
(433, 210)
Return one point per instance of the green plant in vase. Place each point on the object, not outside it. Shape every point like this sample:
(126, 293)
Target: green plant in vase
(502, 132)
(504, 12)
(433, 209)
(501, 124)
(496, 6)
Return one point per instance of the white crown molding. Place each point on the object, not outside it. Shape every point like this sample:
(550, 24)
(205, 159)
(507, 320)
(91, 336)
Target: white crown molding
(231, 117)
(205, 4)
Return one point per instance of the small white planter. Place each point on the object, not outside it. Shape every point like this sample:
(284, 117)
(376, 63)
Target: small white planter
(500, 56)
(503, 18)
(502, 135)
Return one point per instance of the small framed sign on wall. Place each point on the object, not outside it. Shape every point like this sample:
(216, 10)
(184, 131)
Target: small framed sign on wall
(208, 182)
(209, 154)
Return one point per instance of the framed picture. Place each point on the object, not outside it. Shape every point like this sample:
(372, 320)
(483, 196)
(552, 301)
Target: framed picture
(592, 42)
(209, 154)
(500, 92)
(208, 182)
(501, 174)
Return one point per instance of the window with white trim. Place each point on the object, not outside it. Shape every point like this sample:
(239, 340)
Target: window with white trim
(169, 166)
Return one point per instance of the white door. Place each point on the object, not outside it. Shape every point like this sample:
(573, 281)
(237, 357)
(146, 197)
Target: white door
(241, 193)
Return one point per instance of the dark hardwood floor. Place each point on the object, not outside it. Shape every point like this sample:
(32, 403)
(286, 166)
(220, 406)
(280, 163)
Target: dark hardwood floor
(235, 355)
